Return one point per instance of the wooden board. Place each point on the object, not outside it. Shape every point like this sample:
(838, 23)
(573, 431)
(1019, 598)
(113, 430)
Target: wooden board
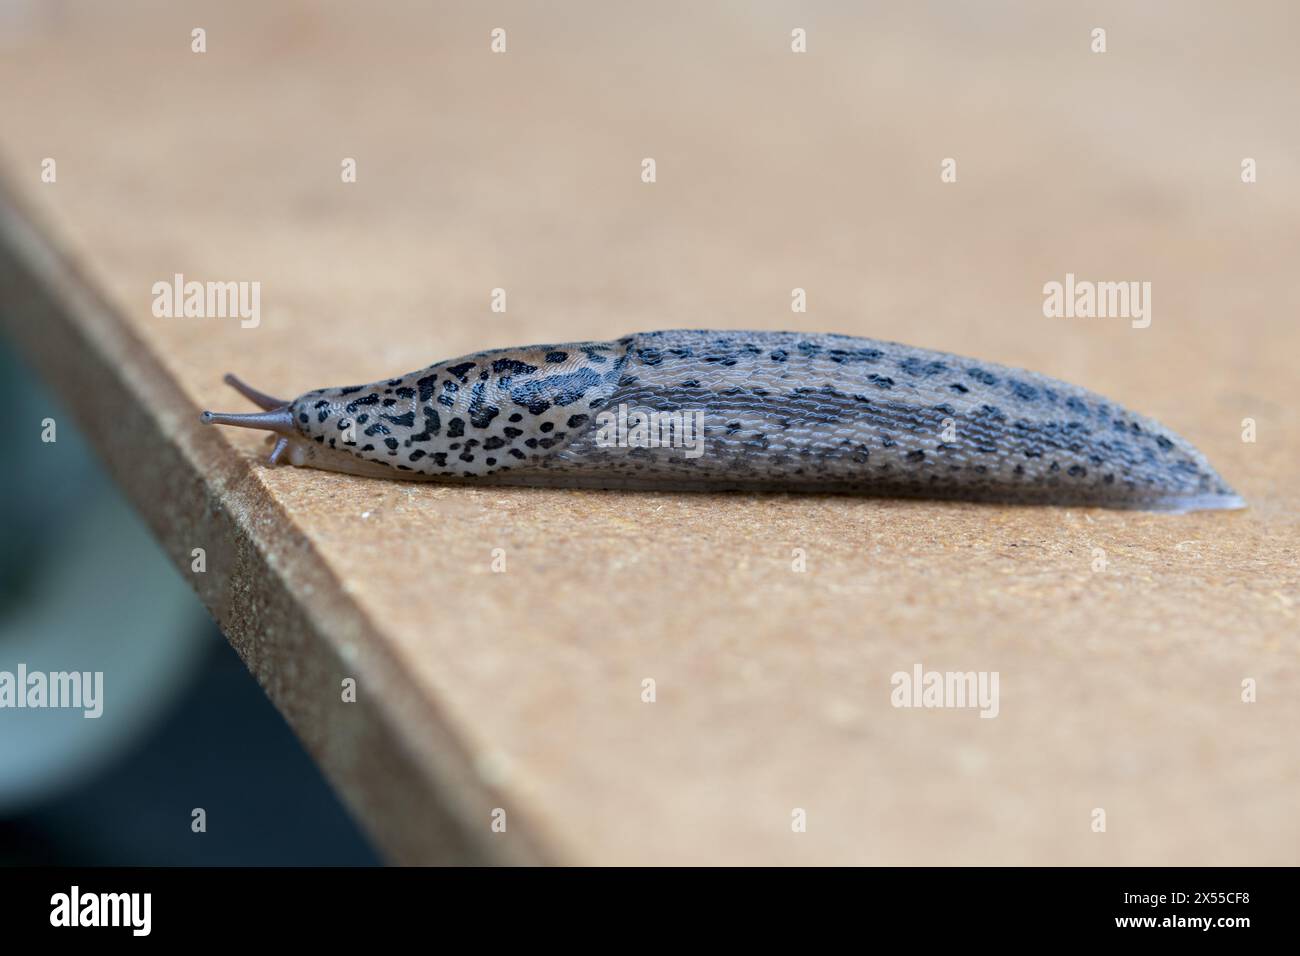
(1121, 688)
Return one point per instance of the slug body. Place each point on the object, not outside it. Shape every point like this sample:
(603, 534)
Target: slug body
(722, 410)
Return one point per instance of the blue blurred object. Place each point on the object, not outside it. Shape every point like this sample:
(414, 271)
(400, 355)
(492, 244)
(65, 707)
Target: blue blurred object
(83, 587)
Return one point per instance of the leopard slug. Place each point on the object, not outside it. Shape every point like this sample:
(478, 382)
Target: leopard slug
(763, 411)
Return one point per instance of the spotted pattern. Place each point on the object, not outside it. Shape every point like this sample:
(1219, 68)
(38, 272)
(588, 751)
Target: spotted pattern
(471, 417)
(781, 410)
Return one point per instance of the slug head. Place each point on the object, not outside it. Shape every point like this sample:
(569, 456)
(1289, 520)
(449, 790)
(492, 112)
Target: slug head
(293, 443)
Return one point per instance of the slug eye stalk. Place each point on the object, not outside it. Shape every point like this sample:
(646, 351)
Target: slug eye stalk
(260, 399)
(277, 417)
(279, 420)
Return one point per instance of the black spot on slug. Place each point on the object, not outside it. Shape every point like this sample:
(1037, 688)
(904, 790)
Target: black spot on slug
(432, 424)
(461, 370)
(537, 395)
(918, 367)
(1024, 391)
(480, 413)
(513, 366)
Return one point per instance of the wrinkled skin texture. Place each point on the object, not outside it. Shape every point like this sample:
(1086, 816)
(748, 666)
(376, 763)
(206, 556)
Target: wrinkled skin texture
(781, 411)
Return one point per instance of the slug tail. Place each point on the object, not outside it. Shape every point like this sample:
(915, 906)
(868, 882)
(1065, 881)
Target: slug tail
(1183, 504)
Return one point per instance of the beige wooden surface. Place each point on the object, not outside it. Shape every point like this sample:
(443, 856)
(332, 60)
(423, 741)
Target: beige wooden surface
(1120, 689)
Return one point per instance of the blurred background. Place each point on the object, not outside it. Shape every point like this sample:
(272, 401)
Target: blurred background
(83, 586)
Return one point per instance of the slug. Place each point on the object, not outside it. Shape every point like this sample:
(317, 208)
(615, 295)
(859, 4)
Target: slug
(766, 411)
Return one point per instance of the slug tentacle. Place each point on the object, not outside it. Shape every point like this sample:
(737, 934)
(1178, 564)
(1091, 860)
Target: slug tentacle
(276, 420)
(281, 444)
(260, 399)
(715, 410)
